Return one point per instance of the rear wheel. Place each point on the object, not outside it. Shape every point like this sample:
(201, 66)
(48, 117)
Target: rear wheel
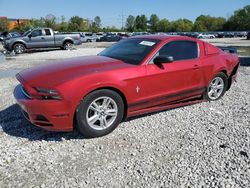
(67, 45)
(99, 113)
(217, 87)
(19, 48)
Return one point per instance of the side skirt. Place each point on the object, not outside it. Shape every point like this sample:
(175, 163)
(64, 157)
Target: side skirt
(167, 106)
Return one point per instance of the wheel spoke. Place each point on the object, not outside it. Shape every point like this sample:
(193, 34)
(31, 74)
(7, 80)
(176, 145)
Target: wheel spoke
(220, 86)
(216, 82)
(111, 112)
(93, 119)
(215, 94)
(106, 102)
(103, 122)
(94, 107)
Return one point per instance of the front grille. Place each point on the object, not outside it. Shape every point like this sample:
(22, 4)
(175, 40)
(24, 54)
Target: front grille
(25, 92)
(43, 124)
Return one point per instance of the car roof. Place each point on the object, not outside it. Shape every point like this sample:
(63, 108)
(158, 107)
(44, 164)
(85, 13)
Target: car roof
(164, 37)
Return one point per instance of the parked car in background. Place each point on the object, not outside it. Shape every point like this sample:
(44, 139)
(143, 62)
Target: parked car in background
(109, 37)
(240, 34)
(228, 35)
(7, 34)
(248, 35)
(205, 36)
(135, 76)
(123, 35)
(88, 37)
(40, 38)
(99, 36)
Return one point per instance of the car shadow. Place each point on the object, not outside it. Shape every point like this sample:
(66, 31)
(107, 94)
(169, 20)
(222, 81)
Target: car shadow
(30, 51)
(13, 123)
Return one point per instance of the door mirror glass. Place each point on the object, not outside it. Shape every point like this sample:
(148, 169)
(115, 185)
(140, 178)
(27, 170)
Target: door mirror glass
(163, 59)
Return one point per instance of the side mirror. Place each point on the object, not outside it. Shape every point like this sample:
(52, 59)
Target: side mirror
(163, 59)
(29, 35)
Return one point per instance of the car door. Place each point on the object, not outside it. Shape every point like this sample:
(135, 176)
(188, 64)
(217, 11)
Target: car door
(48, 38)
(177, 80)
(35, 39)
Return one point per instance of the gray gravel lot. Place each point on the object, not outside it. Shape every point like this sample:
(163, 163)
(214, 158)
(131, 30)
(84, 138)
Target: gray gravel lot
(206, 144)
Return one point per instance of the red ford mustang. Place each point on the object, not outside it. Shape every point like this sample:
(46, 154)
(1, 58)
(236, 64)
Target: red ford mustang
(135, 76)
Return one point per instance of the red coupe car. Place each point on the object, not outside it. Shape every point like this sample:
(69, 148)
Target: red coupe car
(135, 76)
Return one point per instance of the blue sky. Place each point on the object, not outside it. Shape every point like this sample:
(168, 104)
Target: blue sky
(111, 11)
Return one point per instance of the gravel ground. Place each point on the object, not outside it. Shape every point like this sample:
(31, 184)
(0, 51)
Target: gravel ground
(202, 145)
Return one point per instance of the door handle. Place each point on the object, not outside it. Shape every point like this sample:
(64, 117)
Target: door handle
(42, 38)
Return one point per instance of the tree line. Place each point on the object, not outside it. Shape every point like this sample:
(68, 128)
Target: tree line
(239, 21)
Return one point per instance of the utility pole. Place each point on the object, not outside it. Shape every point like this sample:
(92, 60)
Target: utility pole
(122, 17)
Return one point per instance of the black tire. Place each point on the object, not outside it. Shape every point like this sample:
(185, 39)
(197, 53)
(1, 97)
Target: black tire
(221, 77)
(67, 45)
(84, 110)
(19, 48)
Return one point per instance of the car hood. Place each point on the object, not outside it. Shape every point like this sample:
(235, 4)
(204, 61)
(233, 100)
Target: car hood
(53, 74)
(14, 37)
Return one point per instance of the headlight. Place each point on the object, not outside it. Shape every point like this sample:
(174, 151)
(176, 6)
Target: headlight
(48, 94)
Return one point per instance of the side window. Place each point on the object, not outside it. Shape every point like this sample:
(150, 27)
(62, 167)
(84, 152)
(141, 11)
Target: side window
(180, 50)
(47, 32)
(36, 33)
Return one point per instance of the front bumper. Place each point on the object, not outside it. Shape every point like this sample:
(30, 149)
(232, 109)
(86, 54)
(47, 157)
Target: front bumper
(52, 115)
(7, 46)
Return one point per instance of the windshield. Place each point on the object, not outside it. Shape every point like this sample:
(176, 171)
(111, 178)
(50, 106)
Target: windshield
(131, 51)
(27, 32)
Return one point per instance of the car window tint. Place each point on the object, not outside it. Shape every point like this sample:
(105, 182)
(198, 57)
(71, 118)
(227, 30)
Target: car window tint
(180, 50)
(36, 33)
(47, 32)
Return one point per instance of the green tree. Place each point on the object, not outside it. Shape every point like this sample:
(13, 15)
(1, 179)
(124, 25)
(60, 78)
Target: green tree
(240, 20)
(111, 29)
(199, 27)
(130, 23)
(154, 21)
(182, 25)
(164, 25)
(50, 21)
(208, 23)
(75, 23)
(141, 23)
(96, 24)
(63, 25)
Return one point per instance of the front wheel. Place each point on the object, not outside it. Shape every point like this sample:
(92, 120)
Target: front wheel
(99, 113)
(217, 87)
(19, 48)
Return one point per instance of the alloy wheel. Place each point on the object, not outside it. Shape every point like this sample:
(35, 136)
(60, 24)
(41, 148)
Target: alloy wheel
(101, 113)
(19, 48)
(216, 88)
